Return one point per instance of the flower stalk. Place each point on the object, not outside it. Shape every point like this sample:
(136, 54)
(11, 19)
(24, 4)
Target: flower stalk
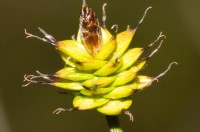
(113, 123)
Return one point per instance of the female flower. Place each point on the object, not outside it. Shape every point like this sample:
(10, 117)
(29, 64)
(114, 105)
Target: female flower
(99, 70)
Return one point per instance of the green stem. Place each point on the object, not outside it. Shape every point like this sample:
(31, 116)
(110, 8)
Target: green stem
(113, 123)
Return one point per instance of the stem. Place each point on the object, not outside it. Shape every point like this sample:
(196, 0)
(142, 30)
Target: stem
(113, 123)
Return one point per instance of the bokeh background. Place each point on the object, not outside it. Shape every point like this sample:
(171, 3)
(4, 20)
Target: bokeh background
(172, 105)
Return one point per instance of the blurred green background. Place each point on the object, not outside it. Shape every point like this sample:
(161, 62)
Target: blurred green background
(172, 105)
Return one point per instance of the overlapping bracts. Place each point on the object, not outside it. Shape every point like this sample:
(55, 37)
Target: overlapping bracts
(99, 68)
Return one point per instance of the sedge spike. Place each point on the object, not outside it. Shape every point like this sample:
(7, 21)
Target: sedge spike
(100, 70)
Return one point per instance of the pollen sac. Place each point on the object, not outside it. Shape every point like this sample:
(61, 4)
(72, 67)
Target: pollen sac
(98, 66)
(90, 30)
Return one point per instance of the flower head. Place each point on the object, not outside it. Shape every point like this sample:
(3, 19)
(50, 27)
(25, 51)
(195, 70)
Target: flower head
(99, 70)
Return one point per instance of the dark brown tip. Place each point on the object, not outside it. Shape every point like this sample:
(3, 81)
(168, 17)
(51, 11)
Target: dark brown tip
(90, 30)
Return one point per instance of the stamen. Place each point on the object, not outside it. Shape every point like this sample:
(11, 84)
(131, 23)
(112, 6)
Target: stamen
(128, 113)
(104, 15)
(141, 20)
